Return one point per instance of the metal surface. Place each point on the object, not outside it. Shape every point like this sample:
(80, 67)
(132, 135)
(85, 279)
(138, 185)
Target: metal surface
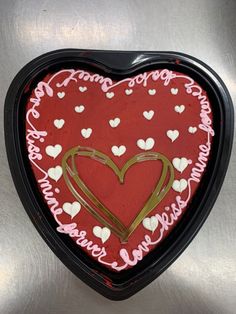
(32, 279)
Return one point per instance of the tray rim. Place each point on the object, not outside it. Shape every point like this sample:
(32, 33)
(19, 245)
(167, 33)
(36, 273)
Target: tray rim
(98, 280)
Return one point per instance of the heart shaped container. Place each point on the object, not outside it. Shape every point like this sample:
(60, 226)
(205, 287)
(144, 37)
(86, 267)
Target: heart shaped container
(117, 65)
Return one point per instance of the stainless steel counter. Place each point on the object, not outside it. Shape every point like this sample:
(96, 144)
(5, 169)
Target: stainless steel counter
(32, 279)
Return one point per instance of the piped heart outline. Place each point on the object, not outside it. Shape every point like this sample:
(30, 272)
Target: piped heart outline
(111, 221)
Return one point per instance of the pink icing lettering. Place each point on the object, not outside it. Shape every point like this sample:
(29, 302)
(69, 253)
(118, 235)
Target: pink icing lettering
(165, 219)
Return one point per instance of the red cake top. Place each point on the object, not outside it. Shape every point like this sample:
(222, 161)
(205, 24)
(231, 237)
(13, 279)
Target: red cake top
(118, 162)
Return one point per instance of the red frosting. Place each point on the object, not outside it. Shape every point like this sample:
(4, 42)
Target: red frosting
(124, 200)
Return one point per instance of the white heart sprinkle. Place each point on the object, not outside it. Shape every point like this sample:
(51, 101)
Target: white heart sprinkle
(114, 123)
(180, 163)
(79, 109)
(53, 151)
(86, 132)
(173, 134)
(174, 91)
(128, 92)
(150, 223)
(192, 129)
(82, 89)
(110, 95)
(102, 233)
(179, 185)
(146, 144)
(148, 114)
(72, 209)
(118, 151)
(61, 95)
(55, 173)
(180, 108)
(59, 123)
(152, 92)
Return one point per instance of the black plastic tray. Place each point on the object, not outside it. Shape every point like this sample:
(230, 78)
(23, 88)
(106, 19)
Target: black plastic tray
(117, 65)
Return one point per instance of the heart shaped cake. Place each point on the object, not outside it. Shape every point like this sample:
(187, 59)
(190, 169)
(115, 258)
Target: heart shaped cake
(118, 162)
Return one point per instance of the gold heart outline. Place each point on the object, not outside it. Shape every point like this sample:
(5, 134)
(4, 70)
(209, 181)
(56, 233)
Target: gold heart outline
(111, 221)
